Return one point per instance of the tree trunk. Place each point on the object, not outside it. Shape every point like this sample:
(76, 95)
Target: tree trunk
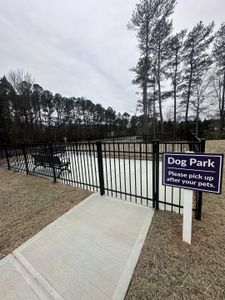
(222, 104)
(159, 88)
(188, 99)
(188, 94)
(154, 126)
(197, 116)
(175, 98)
(145, 111)
(145, 81)
(39, 114)
(196, 127)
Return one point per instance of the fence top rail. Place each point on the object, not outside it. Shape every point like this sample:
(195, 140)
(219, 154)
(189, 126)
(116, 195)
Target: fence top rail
(27, 144)
(105, 143)
(150, 142)
(180, 142)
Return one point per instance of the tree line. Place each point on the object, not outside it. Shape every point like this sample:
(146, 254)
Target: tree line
(185, 69)
(29, 113)
(181, 76)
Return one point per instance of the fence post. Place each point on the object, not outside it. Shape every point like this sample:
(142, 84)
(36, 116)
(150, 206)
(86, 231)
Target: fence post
(203, 145)
(198, 207)
(155, 174)
(53, 166)
(7, 157)
(25, 158)
(100, 168)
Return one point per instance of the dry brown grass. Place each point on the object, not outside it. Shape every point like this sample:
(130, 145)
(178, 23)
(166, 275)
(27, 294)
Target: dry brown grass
(28, 204)
(171, 269)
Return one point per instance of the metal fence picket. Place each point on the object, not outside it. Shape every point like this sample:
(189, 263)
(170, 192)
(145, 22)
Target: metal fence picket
(120, 169)
(100, 168)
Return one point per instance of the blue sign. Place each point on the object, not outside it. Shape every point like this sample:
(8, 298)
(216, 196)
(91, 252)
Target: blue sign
(201, 172)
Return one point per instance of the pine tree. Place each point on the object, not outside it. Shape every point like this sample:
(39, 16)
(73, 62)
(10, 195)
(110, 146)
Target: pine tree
(142, 22)
(196, 60)
(7, 94)
(59, 105)
(159, 47)
(150, 21)
(36, 103)
(174, 69)
(219, 57)
(201, 102)
(48, 106)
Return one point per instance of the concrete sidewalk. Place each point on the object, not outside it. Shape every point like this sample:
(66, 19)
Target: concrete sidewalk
(88, 253)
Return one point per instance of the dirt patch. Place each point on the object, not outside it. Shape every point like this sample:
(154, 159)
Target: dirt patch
(28, 204)
(171, 269)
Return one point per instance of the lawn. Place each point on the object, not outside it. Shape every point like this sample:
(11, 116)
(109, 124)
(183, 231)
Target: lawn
(170, 269)
(167, 267)
(28, 204)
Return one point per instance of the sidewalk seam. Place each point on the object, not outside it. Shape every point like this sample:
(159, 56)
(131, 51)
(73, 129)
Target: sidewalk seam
(34, 279)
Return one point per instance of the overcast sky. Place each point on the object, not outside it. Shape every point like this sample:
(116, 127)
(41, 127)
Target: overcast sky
(83, 48)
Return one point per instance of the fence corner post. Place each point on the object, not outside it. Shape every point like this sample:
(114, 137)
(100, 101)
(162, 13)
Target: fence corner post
(7, 156)
(25, 158)
(100, 168)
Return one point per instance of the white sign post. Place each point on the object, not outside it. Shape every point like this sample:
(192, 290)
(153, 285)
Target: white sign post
(187, 215)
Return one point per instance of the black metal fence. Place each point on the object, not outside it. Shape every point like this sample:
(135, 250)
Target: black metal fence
(168, 136)
(131, 171)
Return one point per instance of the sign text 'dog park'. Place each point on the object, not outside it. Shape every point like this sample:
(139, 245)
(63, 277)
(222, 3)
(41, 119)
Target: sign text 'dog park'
(202, 172)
